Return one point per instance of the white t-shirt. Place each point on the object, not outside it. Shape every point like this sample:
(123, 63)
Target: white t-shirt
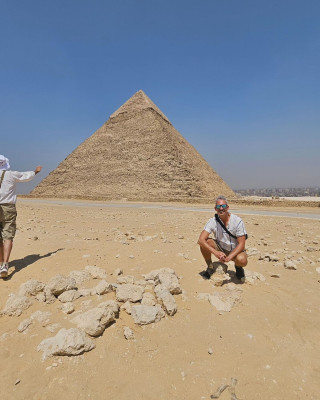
(8, 186)
(235, 226)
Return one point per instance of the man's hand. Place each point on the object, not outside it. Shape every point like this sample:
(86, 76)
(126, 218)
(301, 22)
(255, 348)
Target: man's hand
(220, 255)
(38, 169)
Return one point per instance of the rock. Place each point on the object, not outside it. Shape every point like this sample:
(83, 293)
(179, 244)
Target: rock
(129, 292)
(169, 280)
(96, 272)
(112, 305)
(53, 327)
(226, 300)
(41, 297)
(126, 307)
(103, 287)
(125, 279)
(151, 275)
(67, 342)
(59, 284)
(166, 298)
(85, 292)
(95, 321)
(41, 316)
(80, 276)
(50, 298)
(148, 299)
(210, 351)
(128, 333)
(69, 296)
(219, 278)
(141, 282)
(67, 308)
(143, 315)
(117, 272)
(31, 288)
(288, 264)
(15, 305)
(251, 277)
(318, 270)
(24, 324)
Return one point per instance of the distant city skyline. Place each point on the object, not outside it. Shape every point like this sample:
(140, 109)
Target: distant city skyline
(239, 80)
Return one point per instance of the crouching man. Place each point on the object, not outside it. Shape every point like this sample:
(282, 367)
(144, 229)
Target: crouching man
(229, 239)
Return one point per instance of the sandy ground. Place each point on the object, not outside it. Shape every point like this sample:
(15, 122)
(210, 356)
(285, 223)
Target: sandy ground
(269, 341)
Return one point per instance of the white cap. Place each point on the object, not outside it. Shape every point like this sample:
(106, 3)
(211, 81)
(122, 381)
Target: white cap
(4, 163)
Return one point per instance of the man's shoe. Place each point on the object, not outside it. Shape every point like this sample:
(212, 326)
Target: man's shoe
(239, 273)
(4, 270)
(207, 273)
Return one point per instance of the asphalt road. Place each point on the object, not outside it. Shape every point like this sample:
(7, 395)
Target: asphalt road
(239, 211)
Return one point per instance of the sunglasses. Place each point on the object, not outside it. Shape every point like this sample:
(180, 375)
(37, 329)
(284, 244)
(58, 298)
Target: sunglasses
(221, 206)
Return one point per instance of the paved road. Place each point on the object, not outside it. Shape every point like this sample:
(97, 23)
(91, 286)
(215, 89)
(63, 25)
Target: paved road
(239, 211)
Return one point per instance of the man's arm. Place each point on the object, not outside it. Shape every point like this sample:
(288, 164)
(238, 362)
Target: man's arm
(26, 176)
(203, 242)
(239, 248)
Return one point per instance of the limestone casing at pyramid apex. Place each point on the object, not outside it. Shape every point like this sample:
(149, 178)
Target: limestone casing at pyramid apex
(137, 103)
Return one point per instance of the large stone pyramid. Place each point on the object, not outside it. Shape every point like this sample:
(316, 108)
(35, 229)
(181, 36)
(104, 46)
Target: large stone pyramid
(138, 155)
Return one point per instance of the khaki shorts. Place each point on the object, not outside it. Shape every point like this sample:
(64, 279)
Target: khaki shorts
(217, 246)
(8, 215)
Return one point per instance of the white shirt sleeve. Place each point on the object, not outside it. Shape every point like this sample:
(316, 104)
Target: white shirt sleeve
(23, 176)
(240, 229)
(211, 226)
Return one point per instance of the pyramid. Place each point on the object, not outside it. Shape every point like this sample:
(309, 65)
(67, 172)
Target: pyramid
(137, 155)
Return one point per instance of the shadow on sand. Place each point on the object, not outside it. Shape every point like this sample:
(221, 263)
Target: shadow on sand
(231, 273)
(26, 261)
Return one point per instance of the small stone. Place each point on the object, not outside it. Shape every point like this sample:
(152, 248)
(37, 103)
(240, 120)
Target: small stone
(128, 333)
(117, 272)
(210, 351)
(288, 264)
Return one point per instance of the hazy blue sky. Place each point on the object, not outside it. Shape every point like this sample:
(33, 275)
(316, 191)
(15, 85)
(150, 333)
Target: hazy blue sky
(238, 79)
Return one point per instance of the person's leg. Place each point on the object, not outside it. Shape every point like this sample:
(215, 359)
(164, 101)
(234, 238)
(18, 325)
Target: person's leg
(207, 257)
(7, 247)
(8, 233)
(206, 253)
(1, 252)
(240, 261)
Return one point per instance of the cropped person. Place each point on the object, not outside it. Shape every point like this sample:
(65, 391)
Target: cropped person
(8, 213)
(229, 239)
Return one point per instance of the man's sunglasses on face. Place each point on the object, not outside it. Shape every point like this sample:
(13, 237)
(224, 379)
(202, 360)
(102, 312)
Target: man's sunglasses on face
(219, 206)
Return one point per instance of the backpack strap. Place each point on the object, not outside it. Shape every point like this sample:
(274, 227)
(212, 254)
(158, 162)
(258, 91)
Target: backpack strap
(225, 228)
(2, 176)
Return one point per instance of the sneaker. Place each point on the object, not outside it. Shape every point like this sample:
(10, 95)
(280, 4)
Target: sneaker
(4, 270)
(207, 273)
(239, 273)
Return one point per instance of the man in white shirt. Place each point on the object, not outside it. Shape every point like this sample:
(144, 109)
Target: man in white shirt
(8, 213)
(229, 239)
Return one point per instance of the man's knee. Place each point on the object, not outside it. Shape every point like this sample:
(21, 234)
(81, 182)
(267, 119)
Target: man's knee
(241, 259)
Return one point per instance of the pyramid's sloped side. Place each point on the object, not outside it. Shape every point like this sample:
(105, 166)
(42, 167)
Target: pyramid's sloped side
(141, 158)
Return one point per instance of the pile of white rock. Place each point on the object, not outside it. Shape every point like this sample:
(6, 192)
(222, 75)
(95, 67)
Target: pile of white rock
(148, 300)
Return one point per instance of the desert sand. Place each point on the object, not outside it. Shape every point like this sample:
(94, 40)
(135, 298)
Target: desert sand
(268, 341)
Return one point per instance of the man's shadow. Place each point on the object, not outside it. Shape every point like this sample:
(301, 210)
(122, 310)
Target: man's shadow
(26, 261)
(224, 266)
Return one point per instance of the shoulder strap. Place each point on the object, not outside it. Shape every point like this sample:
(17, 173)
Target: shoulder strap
(225, 228)
(2, 176)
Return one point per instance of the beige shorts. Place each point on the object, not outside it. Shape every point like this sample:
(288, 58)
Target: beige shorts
(217, 246)
(8, 215)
